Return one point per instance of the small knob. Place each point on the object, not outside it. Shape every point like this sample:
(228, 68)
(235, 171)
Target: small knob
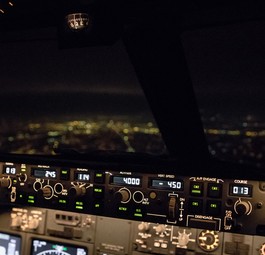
(77, 191)
(160, 228)
(143, 227)
(123, 195)
(33, 224)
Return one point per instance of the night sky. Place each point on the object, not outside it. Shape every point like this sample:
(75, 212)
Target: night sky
(227, 66)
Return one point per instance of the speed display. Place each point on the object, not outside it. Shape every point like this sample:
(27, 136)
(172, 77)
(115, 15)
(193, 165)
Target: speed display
(167, 184)
(43, 247)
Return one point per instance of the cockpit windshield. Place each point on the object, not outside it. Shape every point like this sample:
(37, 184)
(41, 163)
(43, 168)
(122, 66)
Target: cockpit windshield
(83, 99)
(227, 69)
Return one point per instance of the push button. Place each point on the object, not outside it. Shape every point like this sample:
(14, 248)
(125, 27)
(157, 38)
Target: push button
(196, 189)
(214, 190)
(213, 207)
(99, 177)
(196, 206)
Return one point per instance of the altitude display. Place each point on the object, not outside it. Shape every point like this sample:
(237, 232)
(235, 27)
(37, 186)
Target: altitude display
(9, 244)
(125, 180)
(9, 170)
(44, 173)
(42, 247)
(240, 190)
(167, 184)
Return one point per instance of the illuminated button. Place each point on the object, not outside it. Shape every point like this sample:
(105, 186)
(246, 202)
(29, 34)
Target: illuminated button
(214, 190)
(65, 174)
(98, 206)
(213, 207)
(63, 202)
(196, 188)
(98, 191)
(99, 177)
(122, 210)
(196, 206)
(138, 213)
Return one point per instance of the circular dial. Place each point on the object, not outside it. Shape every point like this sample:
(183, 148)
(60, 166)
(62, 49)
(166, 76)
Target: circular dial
(53, 252)
(242, 207)
(123, 195)
(208, 240)
(77, 191)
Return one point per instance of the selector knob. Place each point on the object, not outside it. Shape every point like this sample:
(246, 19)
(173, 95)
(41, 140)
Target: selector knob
(242, 207)
(143, 227)
(77, 191)
(123, 195)
(46, 192)
(5, 182)
(160, 229)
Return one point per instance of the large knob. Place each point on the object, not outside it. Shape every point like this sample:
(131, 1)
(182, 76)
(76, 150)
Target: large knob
(5, 182)
(77, 191)
(242, 207)
(46, 192)
(123, 195)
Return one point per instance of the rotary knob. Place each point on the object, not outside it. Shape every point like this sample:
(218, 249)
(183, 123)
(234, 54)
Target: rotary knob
(143, 227)
(262, 249)
(242, 207)
(5, 182)
(160, 229)
(77, 191)
(123, 195)
(208, 240)
(46, 192)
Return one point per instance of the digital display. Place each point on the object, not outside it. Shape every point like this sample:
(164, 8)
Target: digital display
(240, 190)
(167, 184)
(10, 244)
(43, 247)
(84, 177)
(127, 180)
(44, 173)
(9, 170)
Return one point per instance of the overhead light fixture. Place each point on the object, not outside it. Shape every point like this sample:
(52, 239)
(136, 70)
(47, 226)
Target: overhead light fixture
(77, 21)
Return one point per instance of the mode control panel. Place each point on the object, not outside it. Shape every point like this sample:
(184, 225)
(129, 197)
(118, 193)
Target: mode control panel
(230, 205)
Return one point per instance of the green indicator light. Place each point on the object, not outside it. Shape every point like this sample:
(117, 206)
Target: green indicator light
(98, 175)
(138, 215)
(138, 210)
(196, 191)
(62, 201)
(64, 172)
(195, 204)
(30, 197)
(214, 188)
(31, 201)
(79, 207)
(20, 196)
(97, 205)
(196, 186)
(122, 208)
(213, 205)
(15, 181)
(64, 248)
(79, 203)
(98, 190)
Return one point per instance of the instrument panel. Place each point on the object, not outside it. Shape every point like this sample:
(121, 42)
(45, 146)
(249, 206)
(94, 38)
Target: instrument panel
(217, 204)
